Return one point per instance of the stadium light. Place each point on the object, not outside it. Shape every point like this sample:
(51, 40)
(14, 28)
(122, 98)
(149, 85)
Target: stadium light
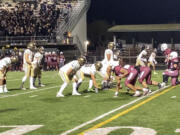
(86, 42)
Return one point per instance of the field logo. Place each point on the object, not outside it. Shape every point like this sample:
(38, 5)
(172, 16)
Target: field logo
(137, 131)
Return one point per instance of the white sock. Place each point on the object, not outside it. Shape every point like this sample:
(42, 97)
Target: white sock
(90, 84)
(24, 79)
(145, 89)
(31, 81)
(1, 89)
(116, 93)
(5, 88)
(63, 86)
(74, 87)
(137, 92)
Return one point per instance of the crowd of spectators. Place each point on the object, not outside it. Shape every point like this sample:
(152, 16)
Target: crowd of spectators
(36, 18)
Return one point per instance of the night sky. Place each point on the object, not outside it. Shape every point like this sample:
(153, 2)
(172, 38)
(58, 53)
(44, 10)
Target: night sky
(135, 11)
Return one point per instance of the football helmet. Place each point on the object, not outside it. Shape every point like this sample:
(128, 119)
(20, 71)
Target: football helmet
(7, 46)
(116, 54)
(111, 45)
(164, 46)
(41, 50)
(173, 55)
(155, 50)
(14, 59)
(82, 60)
(98, 65)
(31, 46)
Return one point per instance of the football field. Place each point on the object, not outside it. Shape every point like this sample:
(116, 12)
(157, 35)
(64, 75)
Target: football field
(39, 112)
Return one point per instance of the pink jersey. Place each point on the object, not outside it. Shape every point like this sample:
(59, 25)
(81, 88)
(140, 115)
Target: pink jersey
(167, 52)
(174, 61)
(117, 70)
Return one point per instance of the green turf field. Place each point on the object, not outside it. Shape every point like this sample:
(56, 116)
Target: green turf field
(158, 113)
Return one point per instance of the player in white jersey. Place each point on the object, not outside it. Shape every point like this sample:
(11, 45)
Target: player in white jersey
(68, 73)
(4, 64)
(141, 60)
(37, 62)
(107, 63)
(27, 65)
(152, 60)
(89, 70)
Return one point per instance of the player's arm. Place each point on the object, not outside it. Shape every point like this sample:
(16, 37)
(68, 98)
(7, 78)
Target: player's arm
(124, 72)
(108, 56)
(118, 85)
(94, 81)
(69, 72)
(27, 59)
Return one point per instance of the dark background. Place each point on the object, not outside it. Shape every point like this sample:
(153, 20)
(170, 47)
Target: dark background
(135, 11)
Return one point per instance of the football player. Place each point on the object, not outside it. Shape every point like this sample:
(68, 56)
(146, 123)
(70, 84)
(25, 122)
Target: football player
(145, 78)
(89, 70)
(27, 65)
(152, 60)
(68, 73)
(37, 63)
(173, 70)
(4, 64)
(131, 80)
(141, 58)
(107, 64)
(166, 51)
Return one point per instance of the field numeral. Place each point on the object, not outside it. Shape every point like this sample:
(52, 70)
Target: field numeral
(20, 129)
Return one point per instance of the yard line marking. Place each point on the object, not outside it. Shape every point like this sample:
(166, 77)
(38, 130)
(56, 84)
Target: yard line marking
(110, 112)
(33, 96)
(32, 91)
(127, 110)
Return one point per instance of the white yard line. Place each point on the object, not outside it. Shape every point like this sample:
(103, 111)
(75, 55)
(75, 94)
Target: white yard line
(33, 96)
(108, 113)
(32, 91)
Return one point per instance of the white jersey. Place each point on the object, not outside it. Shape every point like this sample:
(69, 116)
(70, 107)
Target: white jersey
(141, 55)
(88, 69)
(28, 51)
(4, 63)
(37, 58)
(108, 51)
(152, 57)
(73, 64)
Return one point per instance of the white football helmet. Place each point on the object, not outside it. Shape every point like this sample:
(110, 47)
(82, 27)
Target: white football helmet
(173, 55)
(164, 46)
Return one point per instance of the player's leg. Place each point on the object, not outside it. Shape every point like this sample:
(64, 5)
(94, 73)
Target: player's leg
(39, 74)
(74, 85)
(80, 76)
(65, 80)
(32, 74)
(1, 82)
(27, 73)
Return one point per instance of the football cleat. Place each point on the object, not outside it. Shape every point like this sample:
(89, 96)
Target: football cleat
(90, 89)
(137, 94)
(33, 88)
(41, 85)
(145, 91)
(76, 94)
(59, 95)
(1, 91)
(96, 90)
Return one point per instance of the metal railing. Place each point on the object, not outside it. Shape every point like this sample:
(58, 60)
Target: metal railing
(72, 19)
